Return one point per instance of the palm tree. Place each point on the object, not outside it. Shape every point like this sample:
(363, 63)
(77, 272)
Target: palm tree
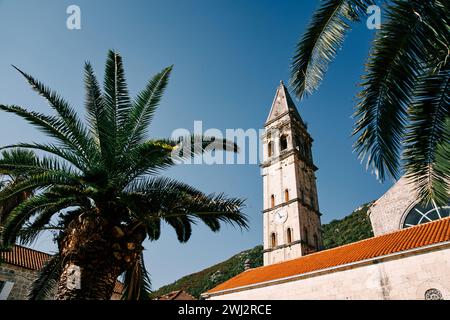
(11, 176)
(403, 110)
(101, 185)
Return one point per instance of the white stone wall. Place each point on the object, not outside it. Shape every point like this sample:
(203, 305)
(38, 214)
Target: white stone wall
(387, 213)
(407, 277)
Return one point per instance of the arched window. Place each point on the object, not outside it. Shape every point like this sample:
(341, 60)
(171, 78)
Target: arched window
(289, 235)
(305, 233)
(269, 149)
(272, 201)
(316, 242)
(286, 195)
(425, 213)
(273, 240)
(283, 142)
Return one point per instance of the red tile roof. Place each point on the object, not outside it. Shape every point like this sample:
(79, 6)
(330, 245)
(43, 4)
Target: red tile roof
(118, 287)
(176, 295)
(406, 239)
(24, 257)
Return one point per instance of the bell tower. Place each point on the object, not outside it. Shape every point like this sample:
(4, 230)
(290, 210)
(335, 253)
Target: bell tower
(292, 226)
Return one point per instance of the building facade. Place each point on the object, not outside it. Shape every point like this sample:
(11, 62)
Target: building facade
(398, 208)
(18, 269)
(410, 264)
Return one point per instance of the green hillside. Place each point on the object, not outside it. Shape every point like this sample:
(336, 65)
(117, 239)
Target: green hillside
(202, 281)
(353, 227)
(356, 226)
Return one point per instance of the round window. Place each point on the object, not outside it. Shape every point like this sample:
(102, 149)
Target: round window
(433, 294)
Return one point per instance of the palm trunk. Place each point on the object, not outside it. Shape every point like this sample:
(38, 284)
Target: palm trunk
(96, 281)
(95, 253)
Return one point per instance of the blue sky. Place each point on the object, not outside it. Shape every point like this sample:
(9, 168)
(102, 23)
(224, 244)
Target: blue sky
(228, 57)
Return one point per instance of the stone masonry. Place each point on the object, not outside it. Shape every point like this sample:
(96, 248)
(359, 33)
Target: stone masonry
(20, 278)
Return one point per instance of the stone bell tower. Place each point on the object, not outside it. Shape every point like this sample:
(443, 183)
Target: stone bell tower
(292, 225)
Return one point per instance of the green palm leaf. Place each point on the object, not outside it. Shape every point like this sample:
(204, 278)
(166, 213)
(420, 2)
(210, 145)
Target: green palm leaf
(72, 127)
(137, 281)
(143, 109)
(43, 286)
(50, 125)
(62, 153)
(97, 116)
(323, 37)
(116, 101)
(39, 204)
(427, 151)
(399, 54)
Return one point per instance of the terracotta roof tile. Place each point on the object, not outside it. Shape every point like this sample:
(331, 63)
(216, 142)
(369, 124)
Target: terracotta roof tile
(24, 257)
(176, 295)
(406, 239)
(118, 287)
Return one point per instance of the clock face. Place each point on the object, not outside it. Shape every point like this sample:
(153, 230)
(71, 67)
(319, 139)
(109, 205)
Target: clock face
(280, 216)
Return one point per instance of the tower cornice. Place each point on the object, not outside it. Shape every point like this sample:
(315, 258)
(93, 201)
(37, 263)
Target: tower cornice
(286, 154)
(281, 205)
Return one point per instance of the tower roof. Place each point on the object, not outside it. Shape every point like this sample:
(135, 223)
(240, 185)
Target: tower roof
(282, 104)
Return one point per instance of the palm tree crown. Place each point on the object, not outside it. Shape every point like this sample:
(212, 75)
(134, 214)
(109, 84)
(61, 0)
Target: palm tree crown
(102, 180)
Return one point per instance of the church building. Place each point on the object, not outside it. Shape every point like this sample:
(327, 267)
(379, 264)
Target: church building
(409, 257)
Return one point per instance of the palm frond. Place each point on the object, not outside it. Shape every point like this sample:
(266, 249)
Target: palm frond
(97, 113)
(16, 175)
(143, 108)
(399, 55)
(44, 285)
(40, 181)
(153, 156)
(182, 224)
(50, 125)
(137, 281)
(73, 127)
(12, 163)
(27, 209)
(427, 150)
(63, 153)
(181, 205)
(323, 37)
(16, 156)
(31, 230)
(115, 98)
